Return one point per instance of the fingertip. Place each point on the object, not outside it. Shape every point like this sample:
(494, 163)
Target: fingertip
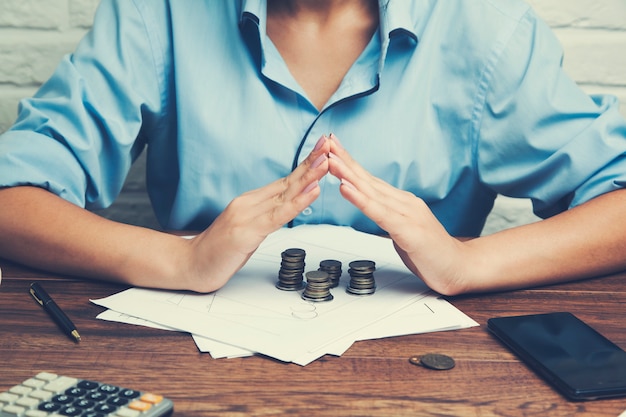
(334, 156)
(335, 139)
(320, 142)
(347, 184)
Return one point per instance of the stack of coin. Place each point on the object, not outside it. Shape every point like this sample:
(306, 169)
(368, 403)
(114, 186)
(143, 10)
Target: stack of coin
(291, 269)
(333, 268)
(362, 278)
(317, 287)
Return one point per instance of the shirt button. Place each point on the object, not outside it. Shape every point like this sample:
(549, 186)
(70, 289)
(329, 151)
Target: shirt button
(307, 211)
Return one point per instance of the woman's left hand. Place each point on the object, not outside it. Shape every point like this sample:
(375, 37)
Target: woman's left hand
(419, 238)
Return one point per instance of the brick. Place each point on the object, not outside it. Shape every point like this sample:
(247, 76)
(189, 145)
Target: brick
(595, 56)
(605, 14)
(9, 99)
(29, 57)
(39, 14)
(82, 12)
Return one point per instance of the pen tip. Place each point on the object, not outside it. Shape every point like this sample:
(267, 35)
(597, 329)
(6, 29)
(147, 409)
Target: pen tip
(76, 336)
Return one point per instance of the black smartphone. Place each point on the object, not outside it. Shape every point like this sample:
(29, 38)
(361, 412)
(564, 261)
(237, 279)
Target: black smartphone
(576, 359)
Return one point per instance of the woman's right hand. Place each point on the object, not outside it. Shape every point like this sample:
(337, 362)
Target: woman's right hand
(220, 251)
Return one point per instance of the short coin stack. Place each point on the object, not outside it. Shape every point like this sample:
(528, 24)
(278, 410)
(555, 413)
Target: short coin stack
(362, 277)
(317, 287)
(290, 275)
(333, 268)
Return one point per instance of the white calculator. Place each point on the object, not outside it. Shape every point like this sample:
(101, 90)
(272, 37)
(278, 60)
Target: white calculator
(50, 395)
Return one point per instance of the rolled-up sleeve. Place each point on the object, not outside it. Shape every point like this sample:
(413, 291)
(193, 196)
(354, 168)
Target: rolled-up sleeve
(540, 136)
(79, 134)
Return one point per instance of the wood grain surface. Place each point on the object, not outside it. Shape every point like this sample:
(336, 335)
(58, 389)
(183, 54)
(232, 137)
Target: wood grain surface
(373, 378)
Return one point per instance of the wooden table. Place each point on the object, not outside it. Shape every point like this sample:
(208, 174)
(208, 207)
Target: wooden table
(372, 378)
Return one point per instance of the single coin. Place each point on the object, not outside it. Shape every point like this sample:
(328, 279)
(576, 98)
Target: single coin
(436, 361)
(293, 253)
(362, 264)
(317, 276)
(330, 264)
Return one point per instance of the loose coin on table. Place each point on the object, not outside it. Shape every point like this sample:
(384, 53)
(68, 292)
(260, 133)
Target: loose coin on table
(436, 361)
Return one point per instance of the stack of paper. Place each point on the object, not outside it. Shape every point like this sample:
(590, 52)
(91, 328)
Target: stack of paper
(250, 315)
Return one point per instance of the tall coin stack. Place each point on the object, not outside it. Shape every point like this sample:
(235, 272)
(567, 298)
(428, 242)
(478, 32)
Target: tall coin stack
(290, 276)
(333, 268)
(362, 278)
(317, 287)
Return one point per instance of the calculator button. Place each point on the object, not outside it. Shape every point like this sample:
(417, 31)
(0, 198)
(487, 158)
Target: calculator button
(126, 412)
(41, 394)
(83, 404)
(129, 393)
(117, 401)
(139, 405)
(96, 396)
(75, 392)
(108, 389)
(34, 383)
(27, 402)
(92, 414)
(62, 399)
(20, 390)
(88, 385)
(49, 407)
(71, 411)
(105, 408)
(60, 384)
(13, 410)
(46, 376)
(151, 398)
(8, 398)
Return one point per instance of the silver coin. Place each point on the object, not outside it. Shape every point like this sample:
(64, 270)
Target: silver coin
(330, 264)
(362, 265)
(317, 276)
(293, 254)
(436, 361)
(290, 287)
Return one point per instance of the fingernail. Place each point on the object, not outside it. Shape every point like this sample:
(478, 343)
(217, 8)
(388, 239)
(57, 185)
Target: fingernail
(336, 140)
(347, 183)
(320, 159)
(335, 157)
(309, 187)
(320, 142)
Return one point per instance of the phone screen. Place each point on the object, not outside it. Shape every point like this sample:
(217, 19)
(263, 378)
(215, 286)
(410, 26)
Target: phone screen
(568, 353)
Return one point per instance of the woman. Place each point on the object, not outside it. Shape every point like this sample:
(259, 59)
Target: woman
(440, 106)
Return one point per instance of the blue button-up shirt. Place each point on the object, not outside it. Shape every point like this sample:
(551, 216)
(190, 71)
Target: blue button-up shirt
(455, 101)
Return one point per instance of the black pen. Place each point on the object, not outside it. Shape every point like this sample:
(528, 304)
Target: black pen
(48, 304)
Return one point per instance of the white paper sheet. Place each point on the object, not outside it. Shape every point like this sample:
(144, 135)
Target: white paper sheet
(251, 314)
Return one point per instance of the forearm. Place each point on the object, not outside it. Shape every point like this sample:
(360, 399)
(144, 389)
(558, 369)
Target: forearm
(44, 231)
(589, 240)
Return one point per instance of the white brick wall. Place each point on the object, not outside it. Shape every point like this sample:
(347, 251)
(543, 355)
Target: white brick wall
(35, 34)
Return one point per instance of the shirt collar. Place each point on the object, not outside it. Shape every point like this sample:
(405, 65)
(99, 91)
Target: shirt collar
(253, 9)
(399, 19)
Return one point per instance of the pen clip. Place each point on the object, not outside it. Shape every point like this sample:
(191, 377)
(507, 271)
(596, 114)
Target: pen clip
(33, 292)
